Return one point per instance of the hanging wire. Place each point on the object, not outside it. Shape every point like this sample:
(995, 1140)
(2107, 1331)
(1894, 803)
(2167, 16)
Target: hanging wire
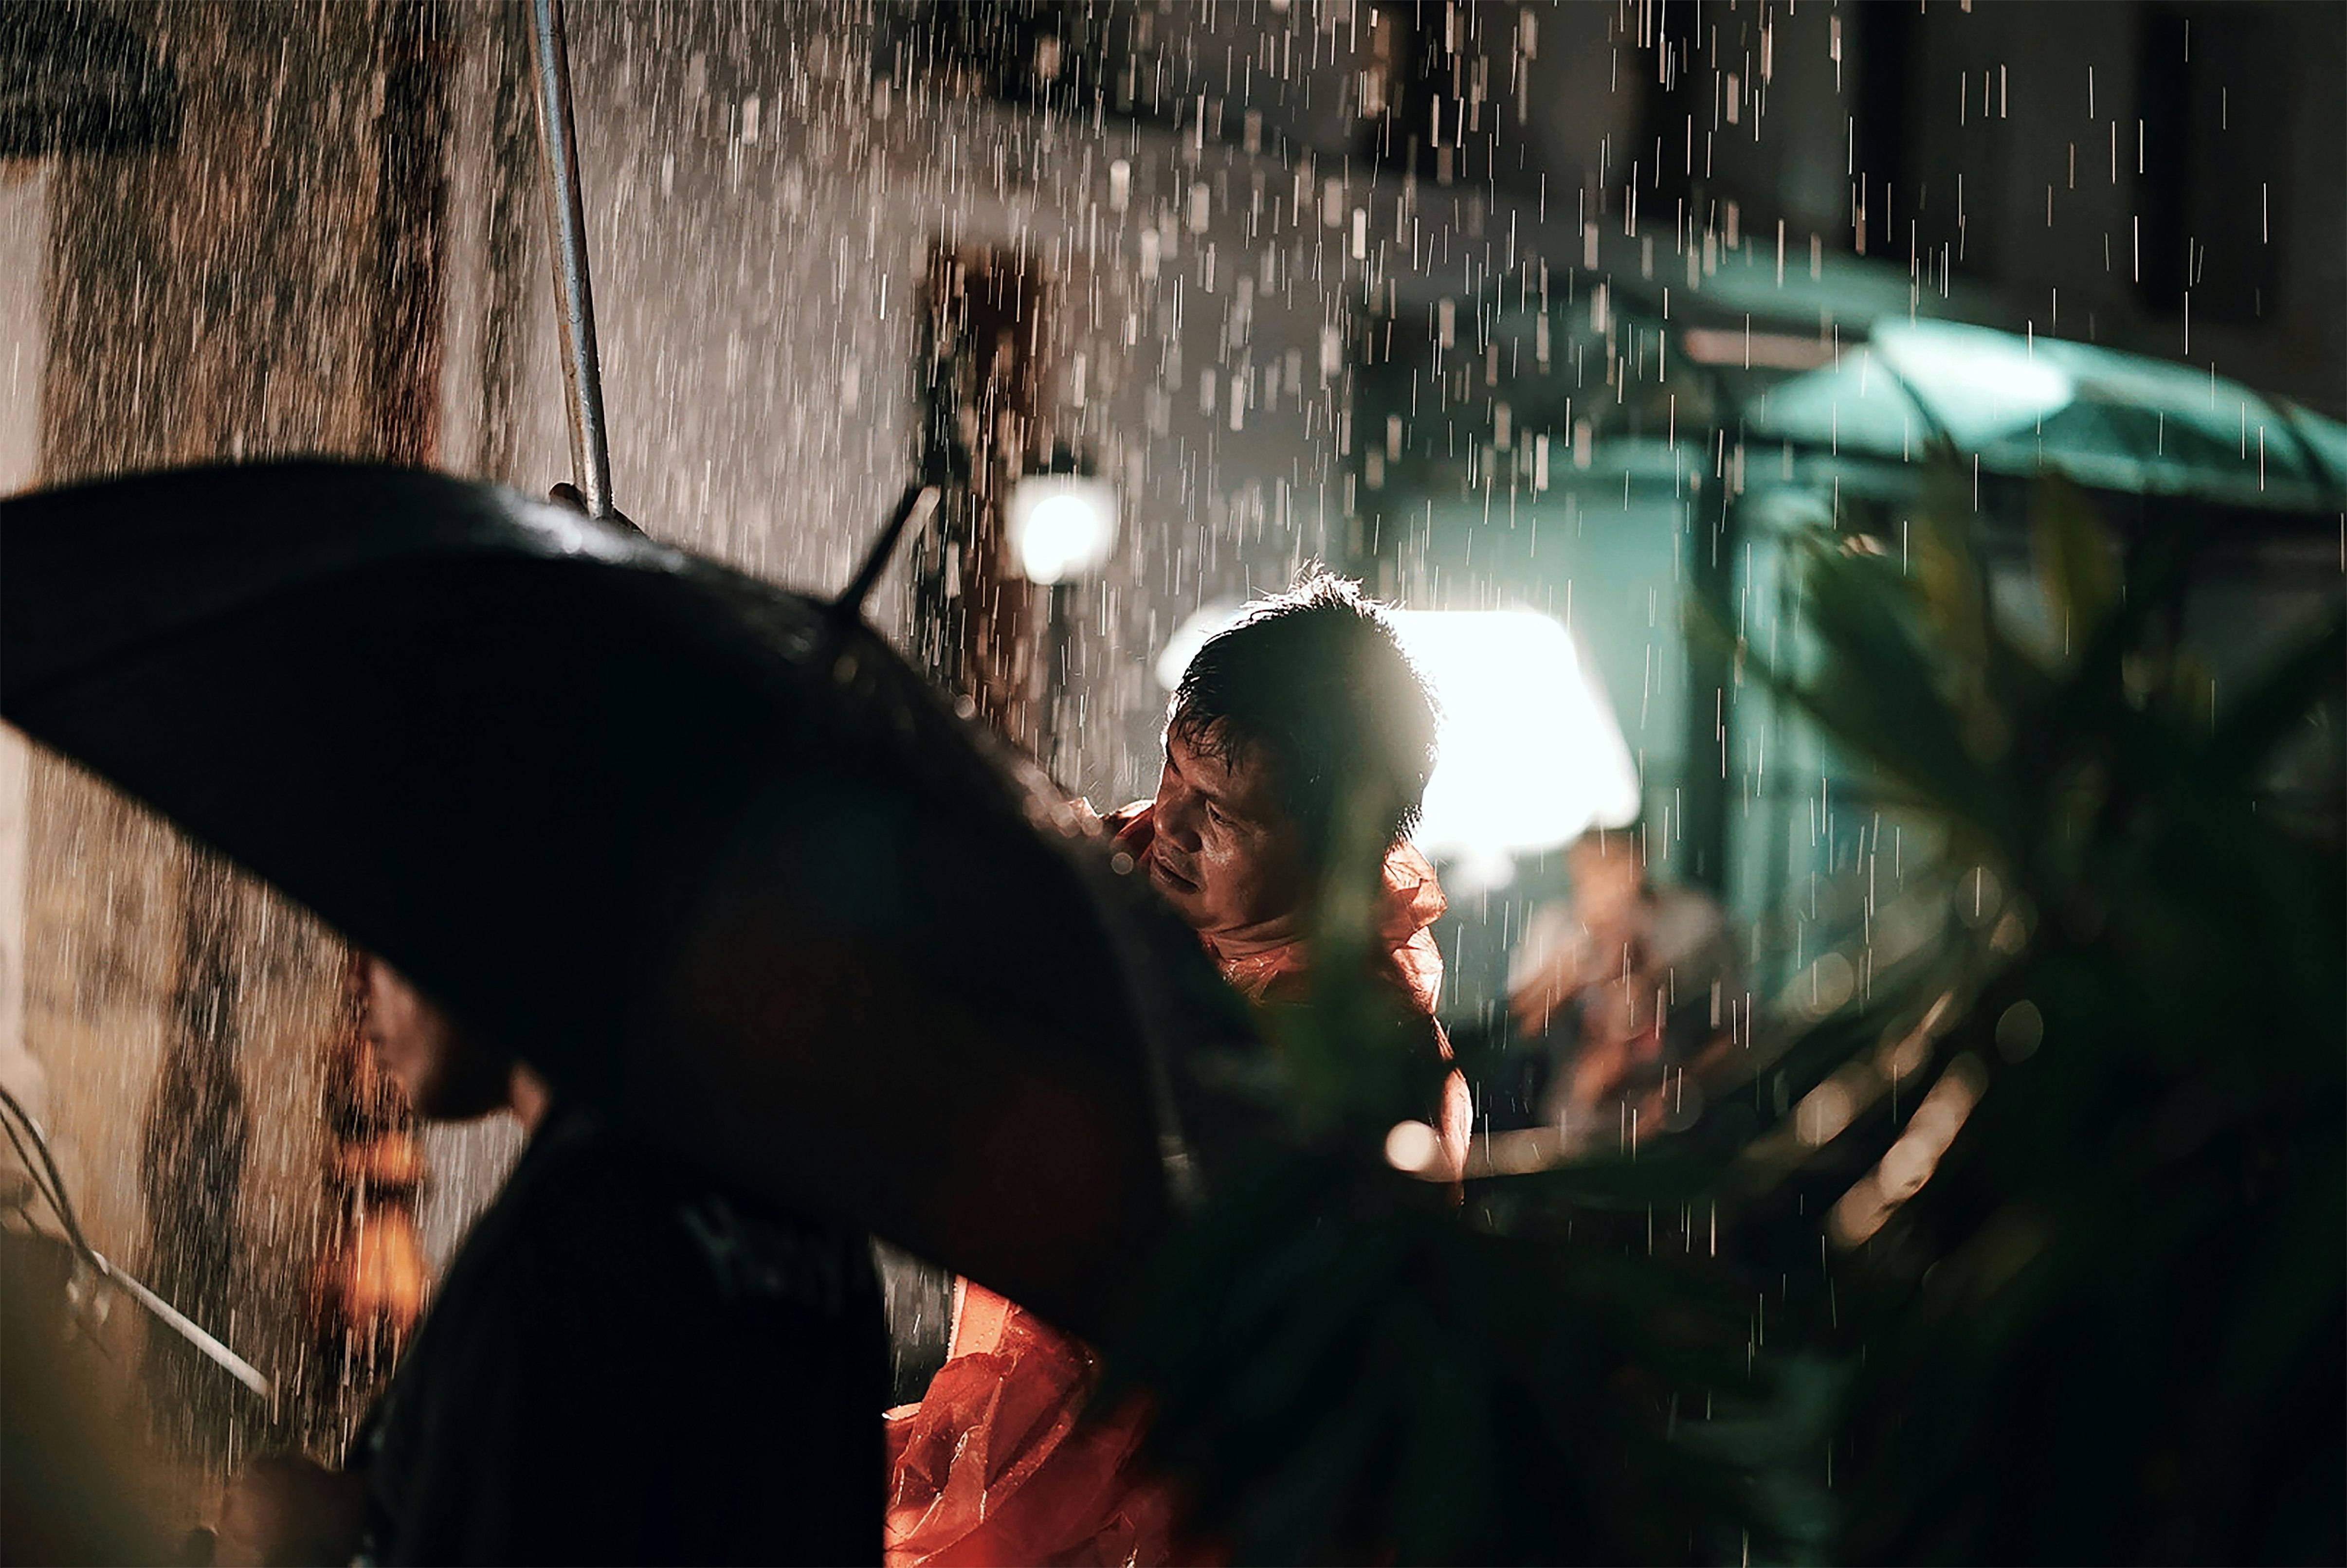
(50, 1185)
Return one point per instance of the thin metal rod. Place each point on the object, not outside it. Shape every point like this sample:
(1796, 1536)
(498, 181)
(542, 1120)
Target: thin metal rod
(227, 1361)
(912, 512)
(582, 371)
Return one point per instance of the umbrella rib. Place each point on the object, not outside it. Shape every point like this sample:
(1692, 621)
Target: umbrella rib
(921, 501)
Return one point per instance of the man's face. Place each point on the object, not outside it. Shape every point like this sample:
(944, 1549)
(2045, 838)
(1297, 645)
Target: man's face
(450, 1073)
(1608, 875)
(1226, 853)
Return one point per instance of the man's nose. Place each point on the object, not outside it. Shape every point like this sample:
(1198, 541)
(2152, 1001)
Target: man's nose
(1177, 820)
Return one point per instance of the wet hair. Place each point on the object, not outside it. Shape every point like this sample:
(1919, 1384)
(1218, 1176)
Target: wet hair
(1313, 682)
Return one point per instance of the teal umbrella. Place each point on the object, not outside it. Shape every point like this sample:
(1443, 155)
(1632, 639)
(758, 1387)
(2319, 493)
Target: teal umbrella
(2023, 404)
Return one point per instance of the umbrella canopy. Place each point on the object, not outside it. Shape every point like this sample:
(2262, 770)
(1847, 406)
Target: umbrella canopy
(703, 850)
(2110, 420)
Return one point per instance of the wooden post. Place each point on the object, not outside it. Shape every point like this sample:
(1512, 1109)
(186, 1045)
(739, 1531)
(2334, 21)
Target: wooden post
(367, 1292)
(977, 620)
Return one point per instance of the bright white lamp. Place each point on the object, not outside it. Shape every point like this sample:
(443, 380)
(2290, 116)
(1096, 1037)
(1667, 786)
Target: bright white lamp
(1062, 526)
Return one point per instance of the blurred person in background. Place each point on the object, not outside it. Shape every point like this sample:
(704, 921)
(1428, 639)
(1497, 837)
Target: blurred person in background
(628, 1361)
(1630, 984)
(1298, 737)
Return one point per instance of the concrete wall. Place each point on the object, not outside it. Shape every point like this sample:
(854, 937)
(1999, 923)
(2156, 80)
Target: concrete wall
(763, 216)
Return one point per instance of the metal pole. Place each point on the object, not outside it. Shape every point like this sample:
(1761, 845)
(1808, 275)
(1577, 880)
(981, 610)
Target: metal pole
(582, 374)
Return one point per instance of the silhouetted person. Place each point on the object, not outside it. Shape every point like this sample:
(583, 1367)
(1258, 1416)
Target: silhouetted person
(1632, 985)
(629, 1361)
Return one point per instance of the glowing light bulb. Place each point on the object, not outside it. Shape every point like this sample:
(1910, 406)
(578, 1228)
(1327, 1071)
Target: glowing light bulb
(1062, 526)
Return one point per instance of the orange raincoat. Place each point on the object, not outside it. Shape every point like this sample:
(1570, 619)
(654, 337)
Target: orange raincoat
(999, 1465)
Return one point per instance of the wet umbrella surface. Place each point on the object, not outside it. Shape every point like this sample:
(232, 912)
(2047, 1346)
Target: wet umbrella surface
(704, 850)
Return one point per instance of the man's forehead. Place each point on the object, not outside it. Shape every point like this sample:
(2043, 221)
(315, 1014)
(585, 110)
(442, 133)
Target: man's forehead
(1233, 776)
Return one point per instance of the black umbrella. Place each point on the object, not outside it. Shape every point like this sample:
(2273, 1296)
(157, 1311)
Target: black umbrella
(703, 850)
